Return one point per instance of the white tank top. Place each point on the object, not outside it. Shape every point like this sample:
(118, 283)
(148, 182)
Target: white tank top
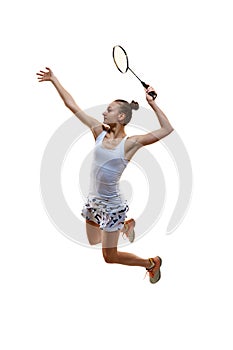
(107, 168)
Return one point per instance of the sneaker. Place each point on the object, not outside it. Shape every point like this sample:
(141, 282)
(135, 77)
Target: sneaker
(128, 230)
(154, 270)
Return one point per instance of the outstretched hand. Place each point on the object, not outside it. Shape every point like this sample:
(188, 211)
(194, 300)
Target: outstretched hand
(45, 76)
(149, 98)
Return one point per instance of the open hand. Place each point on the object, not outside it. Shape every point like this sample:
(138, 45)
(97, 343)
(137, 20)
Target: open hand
(45, 76)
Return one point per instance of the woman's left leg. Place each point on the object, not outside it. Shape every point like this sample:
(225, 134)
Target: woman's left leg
(94, 233)
(112, 255)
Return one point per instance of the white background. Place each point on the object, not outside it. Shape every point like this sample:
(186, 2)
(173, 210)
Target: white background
(56, 294)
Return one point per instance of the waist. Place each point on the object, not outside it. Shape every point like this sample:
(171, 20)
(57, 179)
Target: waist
(110, 202)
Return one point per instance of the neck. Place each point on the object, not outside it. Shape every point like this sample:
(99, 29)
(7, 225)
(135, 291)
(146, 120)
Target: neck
(117, 131)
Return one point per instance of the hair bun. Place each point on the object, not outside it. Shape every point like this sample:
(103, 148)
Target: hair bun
(134, 105)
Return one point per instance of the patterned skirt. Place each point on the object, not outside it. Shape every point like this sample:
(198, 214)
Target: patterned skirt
(109, 215)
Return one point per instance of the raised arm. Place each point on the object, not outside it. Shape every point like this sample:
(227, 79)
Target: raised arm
(95, 125)
(165, 126)
(134, 143)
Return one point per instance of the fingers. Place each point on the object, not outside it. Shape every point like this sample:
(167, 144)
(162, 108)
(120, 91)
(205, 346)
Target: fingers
(149, 94)
(149, 89)
(42, 75)
(43, 72)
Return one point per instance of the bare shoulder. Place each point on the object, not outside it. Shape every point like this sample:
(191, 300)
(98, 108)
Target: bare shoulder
(98, 129)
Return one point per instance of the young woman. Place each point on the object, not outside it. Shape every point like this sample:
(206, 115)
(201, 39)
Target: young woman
(105, 211)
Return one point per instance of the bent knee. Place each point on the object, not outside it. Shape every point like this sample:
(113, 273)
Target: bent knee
(110, 255)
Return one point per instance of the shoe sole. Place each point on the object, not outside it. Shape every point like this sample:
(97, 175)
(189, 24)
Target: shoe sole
(157, 276)
(131, 236)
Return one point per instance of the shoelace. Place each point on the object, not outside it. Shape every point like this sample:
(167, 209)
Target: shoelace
(148, 270)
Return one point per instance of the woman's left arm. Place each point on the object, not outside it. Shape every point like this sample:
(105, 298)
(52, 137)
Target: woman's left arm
(165, 126)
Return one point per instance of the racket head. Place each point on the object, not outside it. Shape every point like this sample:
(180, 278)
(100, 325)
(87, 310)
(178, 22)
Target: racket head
(120, 58)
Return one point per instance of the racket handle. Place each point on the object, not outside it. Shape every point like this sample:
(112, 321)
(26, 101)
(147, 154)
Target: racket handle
(151, 93)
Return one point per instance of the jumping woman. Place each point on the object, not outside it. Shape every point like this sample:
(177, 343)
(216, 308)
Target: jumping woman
(105, 210)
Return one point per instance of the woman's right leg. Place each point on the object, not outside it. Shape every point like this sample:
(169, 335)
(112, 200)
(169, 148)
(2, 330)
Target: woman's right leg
(113, 256)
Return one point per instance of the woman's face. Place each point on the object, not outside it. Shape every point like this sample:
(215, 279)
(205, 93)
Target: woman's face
(112, 114)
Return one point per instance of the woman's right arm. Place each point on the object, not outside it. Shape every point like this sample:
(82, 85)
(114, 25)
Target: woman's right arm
(92, 123)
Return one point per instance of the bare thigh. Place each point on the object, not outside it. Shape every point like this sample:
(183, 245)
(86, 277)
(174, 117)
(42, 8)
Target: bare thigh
(94, 234)
(109, 245)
